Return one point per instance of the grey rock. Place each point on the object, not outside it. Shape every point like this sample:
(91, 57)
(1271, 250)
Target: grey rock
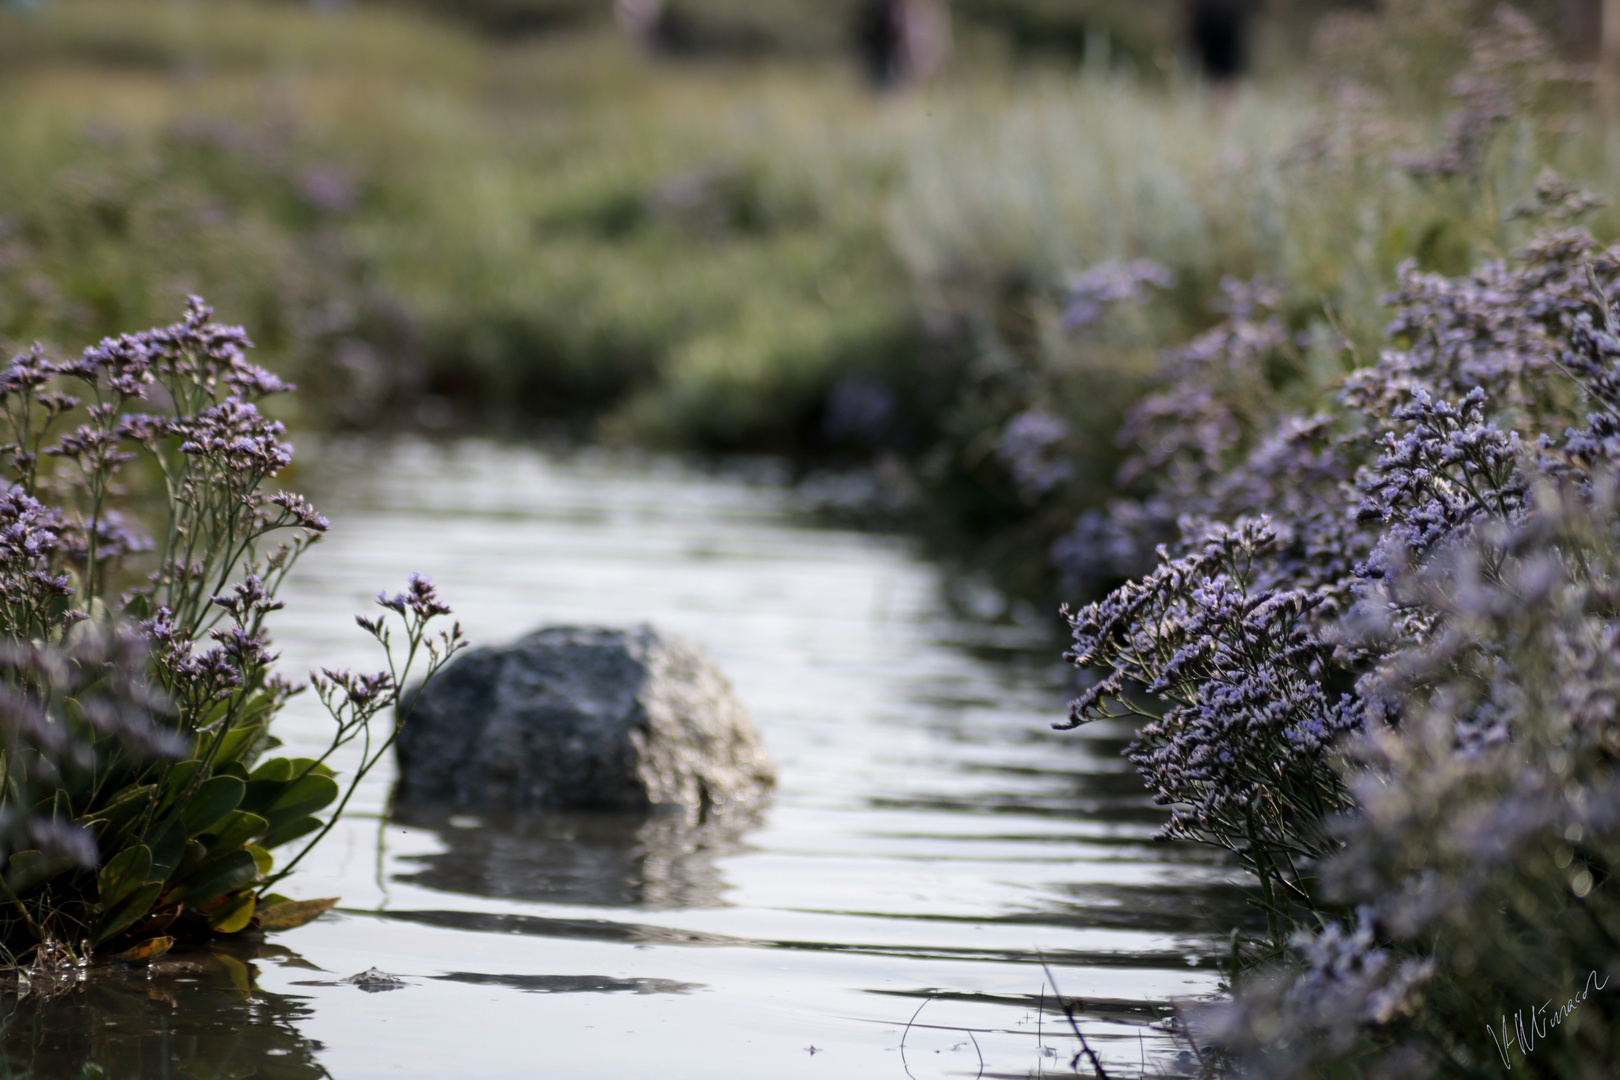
(374, 981)
(576, 717)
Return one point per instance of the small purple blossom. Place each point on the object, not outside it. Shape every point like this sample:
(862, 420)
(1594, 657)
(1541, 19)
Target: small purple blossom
(1028, 448)
(1108, 285)
(299, 512)
(27, 373)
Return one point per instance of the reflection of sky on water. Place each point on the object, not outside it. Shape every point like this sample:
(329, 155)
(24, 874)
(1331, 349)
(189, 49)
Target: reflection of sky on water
(931, 838)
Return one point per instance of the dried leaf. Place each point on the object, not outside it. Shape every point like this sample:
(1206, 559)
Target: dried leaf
(285, 916)
(150, 949)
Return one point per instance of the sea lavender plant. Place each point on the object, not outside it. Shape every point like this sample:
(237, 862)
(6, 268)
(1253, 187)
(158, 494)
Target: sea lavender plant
(134, 711)
(1247, 716)
(1411, 737)
(1485, 831)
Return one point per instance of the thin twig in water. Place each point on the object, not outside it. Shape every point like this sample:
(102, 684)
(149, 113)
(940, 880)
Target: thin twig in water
(1068, 1011)
(906, 1032)
(1040, 1047)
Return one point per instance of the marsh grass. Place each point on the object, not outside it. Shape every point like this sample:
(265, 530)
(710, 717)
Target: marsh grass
(558, 234)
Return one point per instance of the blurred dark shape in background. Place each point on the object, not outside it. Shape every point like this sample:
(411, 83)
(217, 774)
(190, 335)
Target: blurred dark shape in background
(641, 20)
(901, 41)
(1218, 31)
(704, 28)
(896, 41)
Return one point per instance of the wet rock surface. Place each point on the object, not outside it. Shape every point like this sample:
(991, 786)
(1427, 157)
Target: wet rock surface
(581, 717)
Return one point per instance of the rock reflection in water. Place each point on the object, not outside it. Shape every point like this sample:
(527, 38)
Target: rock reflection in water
(572, 984)
(592, 859)
(192, 1014)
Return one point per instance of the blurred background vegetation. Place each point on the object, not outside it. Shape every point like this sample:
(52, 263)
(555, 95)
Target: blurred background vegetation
(506, 216)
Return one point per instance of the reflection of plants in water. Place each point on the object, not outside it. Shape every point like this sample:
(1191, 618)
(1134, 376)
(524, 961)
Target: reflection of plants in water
(194, 1013)
(133, 707)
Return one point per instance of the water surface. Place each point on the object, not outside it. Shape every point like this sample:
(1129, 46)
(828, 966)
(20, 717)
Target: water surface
(931, 845)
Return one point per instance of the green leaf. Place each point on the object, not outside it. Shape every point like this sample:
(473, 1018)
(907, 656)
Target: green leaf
(228, 873)
(180, 778)
(118, 815)
(127, 871)
(213, 799)
(233, 831)
(261, 858)
(290, 832)
(122, 915)
(28, 870)
(274, 769)
(168, 844)
(303, 765)
(286, 914)
(259, 705)
(300, 799)
(236, 744)
(74, 712)
(234, 914)
(194, 856)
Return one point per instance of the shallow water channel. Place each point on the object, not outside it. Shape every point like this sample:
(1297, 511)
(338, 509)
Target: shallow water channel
(931, 843)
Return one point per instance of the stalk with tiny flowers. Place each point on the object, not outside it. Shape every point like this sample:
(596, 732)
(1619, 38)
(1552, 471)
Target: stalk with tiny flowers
(354, 700)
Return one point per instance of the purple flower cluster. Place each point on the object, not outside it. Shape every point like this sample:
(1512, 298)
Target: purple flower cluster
(1446, 470)
(1099, 290)
(1211, 410)
(1029, 449)
(235, 439)
(1345, 984)
(1246, 721)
